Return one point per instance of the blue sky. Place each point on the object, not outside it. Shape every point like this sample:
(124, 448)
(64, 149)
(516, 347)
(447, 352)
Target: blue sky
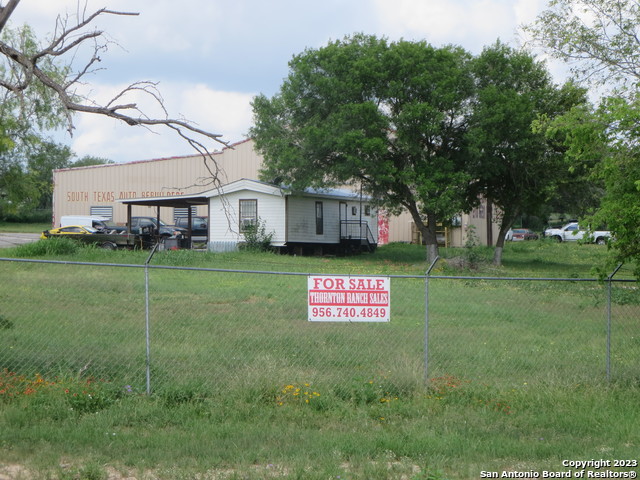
(211, 57)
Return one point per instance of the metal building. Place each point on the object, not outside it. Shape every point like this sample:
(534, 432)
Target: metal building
(96, 190)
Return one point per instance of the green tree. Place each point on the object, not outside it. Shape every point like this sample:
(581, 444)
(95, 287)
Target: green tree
(41, 161)
(597, 38)
(389, 117)
(513, 166)
(26, 175)
(604, 144)
(600, 40)
(579, 135)
(620, 171)
(89, 160)
(26, 109)
(18, 192)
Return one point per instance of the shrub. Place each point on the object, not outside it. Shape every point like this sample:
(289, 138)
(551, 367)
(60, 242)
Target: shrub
(48, 247)
(30, 216)
(256, 237)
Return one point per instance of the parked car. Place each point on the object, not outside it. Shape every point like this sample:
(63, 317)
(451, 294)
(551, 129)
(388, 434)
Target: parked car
(69, 230)
(102, 224)
(199, 225)
(108, 226)
(140, 225)
(520, 234)
(574, 232)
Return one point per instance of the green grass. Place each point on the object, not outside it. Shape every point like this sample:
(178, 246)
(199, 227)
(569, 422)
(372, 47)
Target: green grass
(446, 433)
(15, 227)
(244, 387)
(521, 259)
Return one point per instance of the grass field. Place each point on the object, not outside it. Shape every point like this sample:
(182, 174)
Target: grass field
(243, 387)
(12, 227)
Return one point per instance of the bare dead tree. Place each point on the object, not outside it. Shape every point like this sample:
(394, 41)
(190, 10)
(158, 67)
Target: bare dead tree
(67, 39)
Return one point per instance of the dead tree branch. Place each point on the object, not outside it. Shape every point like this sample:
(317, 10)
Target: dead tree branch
(6, 11)
(67, 39)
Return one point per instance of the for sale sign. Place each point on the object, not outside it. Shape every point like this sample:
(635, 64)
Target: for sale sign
(348, 299)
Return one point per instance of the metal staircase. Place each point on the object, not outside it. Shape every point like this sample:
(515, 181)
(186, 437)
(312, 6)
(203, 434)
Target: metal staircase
(356, 235)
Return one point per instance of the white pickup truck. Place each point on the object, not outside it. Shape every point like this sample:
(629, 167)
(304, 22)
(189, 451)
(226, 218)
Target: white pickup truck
(573, 232)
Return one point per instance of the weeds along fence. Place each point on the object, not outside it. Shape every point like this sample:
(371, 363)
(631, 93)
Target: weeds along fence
(155, 328)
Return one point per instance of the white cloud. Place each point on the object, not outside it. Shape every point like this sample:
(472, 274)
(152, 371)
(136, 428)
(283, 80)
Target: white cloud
(226, 113)
(472, 24)
(161, 25)
(469, 23)
(229, 113)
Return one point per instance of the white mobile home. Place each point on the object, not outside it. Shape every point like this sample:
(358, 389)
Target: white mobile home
(322, 220)
(313, 221)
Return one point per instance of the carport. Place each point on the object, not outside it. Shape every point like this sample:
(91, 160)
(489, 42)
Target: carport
(173, 201)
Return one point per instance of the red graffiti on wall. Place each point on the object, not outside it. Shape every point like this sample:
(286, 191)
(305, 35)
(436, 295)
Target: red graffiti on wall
(383, 228)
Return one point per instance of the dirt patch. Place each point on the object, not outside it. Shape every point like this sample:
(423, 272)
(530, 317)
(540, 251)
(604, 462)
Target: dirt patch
(18, 472)
(14, 472)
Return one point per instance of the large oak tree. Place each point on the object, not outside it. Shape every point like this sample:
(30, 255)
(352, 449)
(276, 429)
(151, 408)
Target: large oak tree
(514, 166)
(388, 117)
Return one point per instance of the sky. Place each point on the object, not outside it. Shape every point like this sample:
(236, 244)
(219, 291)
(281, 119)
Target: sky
(212, 57)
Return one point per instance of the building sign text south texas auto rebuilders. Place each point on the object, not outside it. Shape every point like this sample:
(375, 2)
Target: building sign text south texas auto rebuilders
(348, 299)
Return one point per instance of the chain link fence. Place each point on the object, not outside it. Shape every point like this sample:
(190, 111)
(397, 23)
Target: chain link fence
(516, 331)
(157, 328)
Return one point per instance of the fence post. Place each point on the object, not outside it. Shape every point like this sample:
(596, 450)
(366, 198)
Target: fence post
(426, 321)
(146, 323)
(609, 282)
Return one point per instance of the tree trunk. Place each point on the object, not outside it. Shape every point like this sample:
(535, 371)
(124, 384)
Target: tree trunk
(428, 232)
(431, 238)
(489, 222)
(504, 228)
(497, 255)
(432, 253)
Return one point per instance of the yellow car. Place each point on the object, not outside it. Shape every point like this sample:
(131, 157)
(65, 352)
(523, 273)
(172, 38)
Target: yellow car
(68, 230)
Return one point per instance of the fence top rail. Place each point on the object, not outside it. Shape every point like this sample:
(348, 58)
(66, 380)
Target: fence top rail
(271, 272)
(533, 279)
(197, 269)
(67, 262)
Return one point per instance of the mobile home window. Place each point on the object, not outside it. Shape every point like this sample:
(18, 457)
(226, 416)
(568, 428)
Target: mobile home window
(248, 214)
(319, 219)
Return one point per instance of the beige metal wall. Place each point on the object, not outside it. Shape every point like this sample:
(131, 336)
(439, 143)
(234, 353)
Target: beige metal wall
(77, 190)
(402, 228)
